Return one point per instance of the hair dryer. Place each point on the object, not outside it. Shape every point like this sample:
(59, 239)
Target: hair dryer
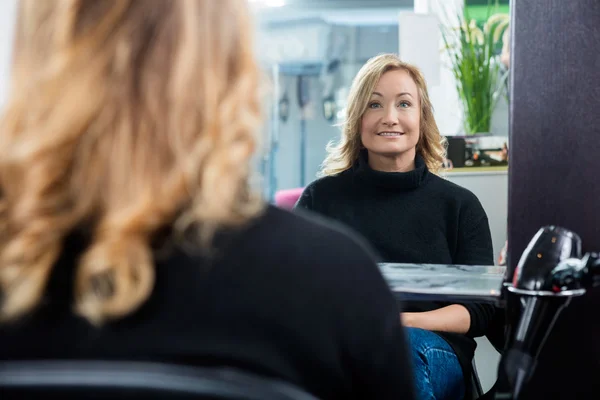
(549, 273)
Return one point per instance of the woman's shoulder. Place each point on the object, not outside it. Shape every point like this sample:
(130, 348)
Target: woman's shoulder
(455, 197)
(325, 190)
(444, 188)
(329, 182)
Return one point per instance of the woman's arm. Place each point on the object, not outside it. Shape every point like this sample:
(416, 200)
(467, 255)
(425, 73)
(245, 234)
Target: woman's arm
(474, 248)
(453, 318)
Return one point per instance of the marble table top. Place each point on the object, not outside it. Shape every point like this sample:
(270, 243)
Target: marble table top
(444, 282)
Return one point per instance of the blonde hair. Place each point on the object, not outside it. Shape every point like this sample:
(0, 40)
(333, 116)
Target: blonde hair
(343, 154)
(124, 118)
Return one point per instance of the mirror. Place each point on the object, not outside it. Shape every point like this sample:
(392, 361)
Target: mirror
(323, 47)
(327, 45)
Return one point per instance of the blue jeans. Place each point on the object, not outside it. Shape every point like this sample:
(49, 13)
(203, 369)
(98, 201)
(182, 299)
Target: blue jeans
(438, 374)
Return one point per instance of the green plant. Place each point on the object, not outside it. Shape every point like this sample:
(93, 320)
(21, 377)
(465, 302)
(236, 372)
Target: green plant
(474, 63)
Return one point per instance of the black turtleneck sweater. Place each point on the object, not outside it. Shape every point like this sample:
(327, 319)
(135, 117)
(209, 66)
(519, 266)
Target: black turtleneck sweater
(412, 217)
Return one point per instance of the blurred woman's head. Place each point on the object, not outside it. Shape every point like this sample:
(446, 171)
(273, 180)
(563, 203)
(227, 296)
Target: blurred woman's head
(124, 117)
(389, 114)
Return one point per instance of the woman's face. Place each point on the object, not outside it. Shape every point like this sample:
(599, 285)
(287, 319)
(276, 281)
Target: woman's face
(391, 124)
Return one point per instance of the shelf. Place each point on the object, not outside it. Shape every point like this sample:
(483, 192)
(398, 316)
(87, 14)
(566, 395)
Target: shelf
(500, 168)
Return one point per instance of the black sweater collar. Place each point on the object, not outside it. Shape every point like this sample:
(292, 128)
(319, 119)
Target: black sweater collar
(391, 180)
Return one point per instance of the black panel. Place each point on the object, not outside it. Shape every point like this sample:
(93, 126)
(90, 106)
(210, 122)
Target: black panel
(555, 167)
(456, 151)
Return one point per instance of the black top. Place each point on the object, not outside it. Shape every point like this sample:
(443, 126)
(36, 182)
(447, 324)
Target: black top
(412, 217)
(288, 297)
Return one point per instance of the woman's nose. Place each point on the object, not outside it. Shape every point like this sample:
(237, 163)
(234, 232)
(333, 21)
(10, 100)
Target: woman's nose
(391, 117)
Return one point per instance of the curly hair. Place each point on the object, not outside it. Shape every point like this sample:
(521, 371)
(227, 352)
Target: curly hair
(124, 117)
(344, 153)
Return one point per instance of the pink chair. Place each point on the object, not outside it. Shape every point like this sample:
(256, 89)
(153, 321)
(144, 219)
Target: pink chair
(287, 198)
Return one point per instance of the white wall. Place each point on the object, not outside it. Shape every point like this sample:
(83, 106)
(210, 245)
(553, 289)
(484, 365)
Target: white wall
(445, 99)
(8, 11)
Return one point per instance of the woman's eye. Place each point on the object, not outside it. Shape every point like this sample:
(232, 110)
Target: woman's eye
(374, 105)
(404, 104)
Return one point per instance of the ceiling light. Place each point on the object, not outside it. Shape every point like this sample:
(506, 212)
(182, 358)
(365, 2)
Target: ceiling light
(268, 3)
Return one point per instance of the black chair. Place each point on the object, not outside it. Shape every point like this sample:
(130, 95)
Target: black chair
(136, 380)
(476, 388)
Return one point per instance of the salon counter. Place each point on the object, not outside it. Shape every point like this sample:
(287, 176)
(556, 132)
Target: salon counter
(440, 282)
(498, 170)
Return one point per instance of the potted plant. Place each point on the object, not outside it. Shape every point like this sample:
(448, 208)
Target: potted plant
(473, 53)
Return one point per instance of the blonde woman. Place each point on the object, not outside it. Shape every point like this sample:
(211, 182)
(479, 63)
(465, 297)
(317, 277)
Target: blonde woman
(381, 179)
(128, 228)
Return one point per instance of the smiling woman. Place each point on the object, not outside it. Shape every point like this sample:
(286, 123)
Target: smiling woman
(387, 95)
(380, 179)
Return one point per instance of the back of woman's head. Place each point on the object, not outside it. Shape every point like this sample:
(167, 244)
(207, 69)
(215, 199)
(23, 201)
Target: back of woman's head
(124, 117)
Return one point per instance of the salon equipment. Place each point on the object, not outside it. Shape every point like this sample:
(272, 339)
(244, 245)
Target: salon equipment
(270, 155)
(457, 151)
(303, 93)
(549, 274)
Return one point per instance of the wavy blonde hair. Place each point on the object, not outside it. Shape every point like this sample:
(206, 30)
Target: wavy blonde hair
(343, 154)
(124, 117)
